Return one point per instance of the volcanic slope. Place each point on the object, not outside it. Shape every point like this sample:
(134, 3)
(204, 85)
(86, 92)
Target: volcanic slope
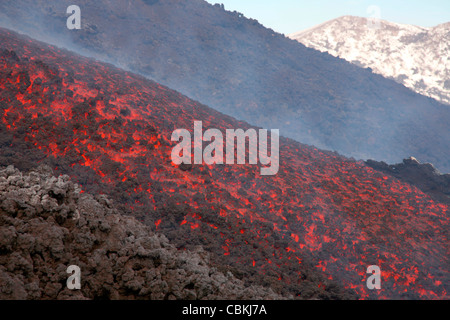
(238, 67)
(46, 225)
(311, 230)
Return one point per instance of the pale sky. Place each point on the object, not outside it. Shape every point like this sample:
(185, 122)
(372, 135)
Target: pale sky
(288, 16)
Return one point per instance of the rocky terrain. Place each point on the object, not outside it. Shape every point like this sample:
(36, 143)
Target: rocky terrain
(416, 57)
(422, 175)
(48, 224)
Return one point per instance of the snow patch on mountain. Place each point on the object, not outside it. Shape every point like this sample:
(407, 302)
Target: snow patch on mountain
(417, 57)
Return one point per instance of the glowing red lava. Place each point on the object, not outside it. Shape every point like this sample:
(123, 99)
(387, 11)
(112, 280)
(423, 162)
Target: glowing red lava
(110, 130)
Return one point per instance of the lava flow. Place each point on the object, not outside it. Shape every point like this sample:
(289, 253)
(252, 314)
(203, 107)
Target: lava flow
(323, 219)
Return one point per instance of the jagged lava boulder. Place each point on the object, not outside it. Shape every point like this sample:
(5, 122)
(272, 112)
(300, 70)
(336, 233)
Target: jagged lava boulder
(48, 224)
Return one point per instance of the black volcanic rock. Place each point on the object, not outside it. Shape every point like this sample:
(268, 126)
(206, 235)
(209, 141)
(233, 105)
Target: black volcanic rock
(237, 66)
(46, 225)
(422, 175)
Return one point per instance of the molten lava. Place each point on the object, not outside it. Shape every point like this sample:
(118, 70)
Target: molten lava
(110, 130)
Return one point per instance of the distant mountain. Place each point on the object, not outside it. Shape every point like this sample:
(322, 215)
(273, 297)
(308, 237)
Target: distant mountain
(237, 66)
(416, 57)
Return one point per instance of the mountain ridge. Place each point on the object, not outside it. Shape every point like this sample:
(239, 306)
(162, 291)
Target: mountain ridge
(405, 53)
